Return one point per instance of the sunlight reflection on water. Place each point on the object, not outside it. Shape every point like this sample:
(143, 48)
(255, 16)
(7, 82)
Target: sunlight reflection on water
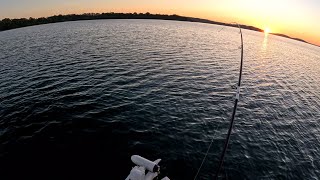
(265, 42)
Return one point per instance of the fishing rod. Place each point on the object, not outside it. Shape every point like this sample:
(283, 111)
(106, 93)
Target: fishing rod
(233, 113)
(231, 121)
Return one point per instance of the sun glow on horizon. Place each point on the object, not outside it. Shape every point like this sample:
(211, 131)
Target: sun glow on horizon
(267, 30)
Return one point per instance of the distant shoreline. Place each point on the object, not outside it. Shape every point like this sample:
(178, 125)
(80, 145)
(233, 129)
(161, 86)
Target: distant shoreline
(8, 24)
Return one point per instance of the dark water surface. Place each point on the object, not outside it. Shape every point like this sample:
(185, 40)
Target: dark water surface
(79, 98)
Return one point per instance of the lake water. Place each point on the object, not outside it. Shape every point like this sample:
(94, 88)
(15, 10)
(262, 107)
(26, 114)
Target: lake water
(77, 99)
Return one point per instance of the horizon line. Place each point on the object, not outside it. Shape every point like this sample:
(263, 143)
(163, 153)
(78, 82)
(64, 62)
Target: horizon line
(192, 19)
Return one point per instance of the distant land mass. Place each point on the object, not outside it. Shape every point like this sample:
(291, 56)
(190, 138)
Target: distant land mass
(7, 24)
(277, 34)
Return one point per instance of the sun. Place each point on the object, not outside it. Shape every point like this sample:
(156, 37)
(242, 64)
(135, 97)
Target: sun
(267, 30)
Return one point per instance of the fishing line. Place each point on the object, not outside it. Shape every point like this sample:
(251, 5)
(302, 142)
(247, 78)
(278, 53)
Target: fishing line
(205, 156)
(221, 29)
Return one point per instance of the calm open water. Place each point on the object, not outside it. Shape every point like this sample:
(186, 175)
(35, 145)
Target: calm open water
(77, 99)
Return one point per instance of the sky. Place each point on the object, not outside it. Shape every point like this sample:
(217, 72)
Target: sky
(296, 18)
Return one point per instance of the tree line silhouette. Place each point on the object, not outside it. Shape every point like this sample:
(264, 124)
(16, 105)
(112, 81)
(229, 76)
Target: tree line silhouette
(7, 24)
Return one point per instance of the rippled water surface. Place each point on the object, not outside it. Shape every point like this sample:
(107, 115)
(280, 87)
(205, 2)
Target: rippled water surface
(79, 98)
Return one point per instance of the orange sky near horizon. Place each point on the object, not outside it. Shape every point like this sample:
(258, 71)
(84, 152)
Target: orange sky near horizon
(296, 18)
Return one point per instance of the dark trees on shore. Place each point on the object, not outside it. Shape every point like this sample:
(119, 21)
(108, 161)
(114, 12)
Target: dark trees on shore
(7, 23)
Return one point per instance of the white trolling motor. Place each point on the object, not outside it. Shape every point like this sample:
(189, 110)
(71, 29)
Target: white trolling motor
(142, 164)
